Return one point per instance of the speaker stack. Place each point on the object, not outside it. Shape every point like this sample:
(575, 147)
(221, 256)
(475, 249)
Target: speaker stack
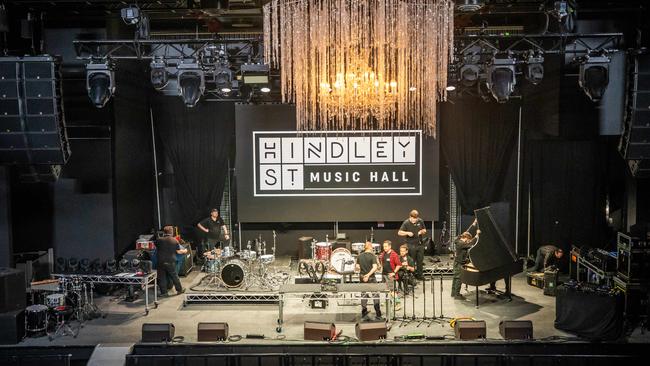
(12, 305)
(32, 133)
(635, 139)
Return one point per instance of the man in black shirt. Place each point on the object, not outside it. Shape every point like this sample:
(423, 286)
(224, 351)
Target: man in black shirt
(463, 243)
(547, 255)
(414, 231)
(213, 227)
(405, 270)
(166, 248)
(367, 266)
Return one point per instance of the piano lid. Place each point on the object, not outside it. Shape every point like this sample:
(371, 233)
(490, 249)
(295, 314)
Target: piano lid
(492, 251)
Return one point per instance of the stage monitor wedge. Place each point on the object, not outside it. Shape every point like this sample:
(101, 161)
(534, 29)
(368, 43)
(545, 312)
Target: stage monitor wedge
(32, 122)
(158, 332)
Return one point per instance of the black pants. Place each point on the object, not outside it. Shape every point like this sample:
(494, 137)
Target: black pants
(539, 262)
(167, 271)
(375, 299)
(416, 251)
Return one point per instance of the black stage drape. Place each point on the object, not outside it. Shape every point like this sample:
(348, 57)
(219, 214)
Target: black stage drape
(590, 315)
(478, 140)
(197, 142)
(567, 193)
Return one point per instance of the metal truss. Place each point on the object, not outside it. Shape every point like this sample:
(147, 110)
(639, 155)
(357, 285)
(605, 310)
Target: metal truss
(143, 49)
(111, 279)
(231, 297)
(547, 43)
(437, 271)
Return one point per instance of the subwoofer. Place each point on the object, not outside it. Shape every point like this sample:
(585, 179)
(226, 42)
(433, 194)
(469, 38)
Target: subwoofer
(12, 290)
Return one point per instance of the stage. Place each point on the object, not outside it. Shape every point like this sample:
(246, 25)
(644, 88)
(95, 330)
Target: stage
(123, 320)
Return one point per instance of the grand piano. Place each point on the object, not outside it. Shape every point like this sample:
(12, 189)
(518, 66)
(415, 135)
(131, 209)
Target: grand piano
(491, 258)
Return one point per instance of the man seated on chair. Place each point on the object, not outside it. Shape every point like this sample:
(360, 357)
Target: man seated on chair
(405, 271)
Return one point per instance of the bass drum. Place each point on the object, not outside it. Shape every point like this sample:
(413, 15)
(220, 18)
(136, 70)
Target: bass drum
(233, 273)
(342, 261)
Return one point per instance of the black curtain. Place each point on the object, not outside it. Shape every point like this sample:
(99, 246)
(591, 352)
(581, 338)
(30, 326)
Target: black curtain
(478, 141)
(567, 183)
(197, 142)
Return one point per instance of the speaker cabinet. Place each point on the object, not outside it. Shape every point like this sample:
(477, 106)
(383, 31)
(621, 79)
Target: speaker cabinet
(12, 290)
(319, 331)
(12, 326)
(516, 329)
(212, 332)
(371, 331)
(470, 329)
(31, 112)
(157, 332)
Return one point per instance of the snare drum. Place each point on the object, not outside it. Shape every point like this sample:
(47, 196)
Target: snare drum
(323, 251)
(55, 300)
(36, 318)
(211, 266)
(267, 258)
(342, 261)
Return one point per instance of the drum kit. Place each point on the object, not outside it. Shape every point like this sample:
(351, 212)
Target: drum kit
(340, 260)
(228, 269)
(59, 303)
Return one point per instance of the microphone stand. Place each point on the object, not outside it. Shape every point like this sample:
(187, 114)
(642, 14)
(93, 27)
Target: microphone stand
(435, 319)
(424, 302)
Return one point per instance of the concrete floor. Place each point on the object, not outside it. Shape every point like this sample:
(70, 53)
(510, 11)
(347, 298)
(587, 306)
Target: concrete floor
(123, 320)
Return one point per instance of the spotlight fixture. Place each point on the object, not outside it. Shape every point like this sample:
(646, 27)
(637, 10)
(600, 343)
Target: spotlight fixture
(223, 80)
(469, 74)
(265, 89)
(255, 73)
(84, 265)
(450, 88)
(191, 83)
(111, 266)
(130, 15)
(535, 68)
(60, 265)
(159, 75)
(100, 83)
(135, 264)
(73, 264)
(124, 265)
(501, 78)
(470, 5)
(594, 76)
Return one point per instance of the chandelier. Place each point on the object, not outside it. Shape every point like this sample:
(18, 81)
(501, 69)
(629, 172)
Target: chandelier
(361, 64)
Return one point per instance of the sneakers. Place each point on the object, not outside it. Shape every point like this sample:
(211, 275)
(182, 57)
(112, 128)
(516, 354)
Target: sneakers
(459, 297)
(182, 291)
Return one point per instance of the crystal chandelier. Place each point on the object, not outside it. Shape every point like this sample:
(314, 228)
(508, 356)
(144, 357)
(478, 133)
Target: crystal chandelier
(361, 64)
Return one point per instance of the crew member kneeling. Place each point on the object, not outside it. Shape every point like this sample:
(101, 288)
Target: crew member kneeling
(547, 256)
(167, 247)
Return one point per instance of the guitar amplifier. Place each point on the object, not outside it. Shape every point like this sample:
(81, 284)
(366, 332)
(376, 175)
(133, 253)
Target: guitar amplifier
(371, 331)
(157, 332)
(516, 329)
(211, 332)
(470, 329)
(319, 331)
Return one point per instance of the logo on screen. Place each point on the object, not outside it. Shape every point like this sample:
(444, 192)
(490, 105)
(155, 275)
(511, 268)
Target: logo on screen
(337, 163)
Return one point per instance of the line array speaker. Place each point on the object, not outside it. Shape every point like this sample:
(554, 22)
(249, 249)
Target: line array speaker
(635, 139)
(31, 112)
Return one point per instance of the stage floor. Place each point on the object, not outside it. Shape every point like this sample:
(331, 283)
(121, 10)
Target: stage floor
(124, 320)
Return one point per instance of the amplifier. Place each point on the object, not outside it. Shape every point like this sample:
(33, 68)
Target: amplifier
(633, 260)
(470, 329)
(211, 332)
(12, 290)
(371, 331)
(550, 282)
(319, 331)
(12, 326)
(157, 332)
(535, 279)
(516, 329)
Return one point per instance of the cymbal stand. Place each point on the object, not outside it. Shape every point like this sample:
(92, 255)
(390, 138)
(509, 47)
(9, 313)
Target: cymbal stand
(274, 237)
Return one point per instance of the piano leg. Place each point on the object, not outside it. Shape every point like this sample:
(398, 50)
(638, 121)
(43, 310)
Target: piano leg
(477, 297)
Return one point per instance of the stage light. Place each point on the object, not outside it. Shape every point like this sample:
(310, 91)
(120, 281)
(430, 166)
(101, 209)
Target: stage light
(594, 76)
(130, 15)
(159, 77)
(223, 80)
(501, 78)
(226, 90)
(100, 83)
(535, 69)
(469, 74)
(84, 265)
(73, 264)
(470, 5)
(246, 92)
(60, 265)
(124, 265)
(265, 89)
(450, 88)
(191, 83)
(255, 74)
(111, 266)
